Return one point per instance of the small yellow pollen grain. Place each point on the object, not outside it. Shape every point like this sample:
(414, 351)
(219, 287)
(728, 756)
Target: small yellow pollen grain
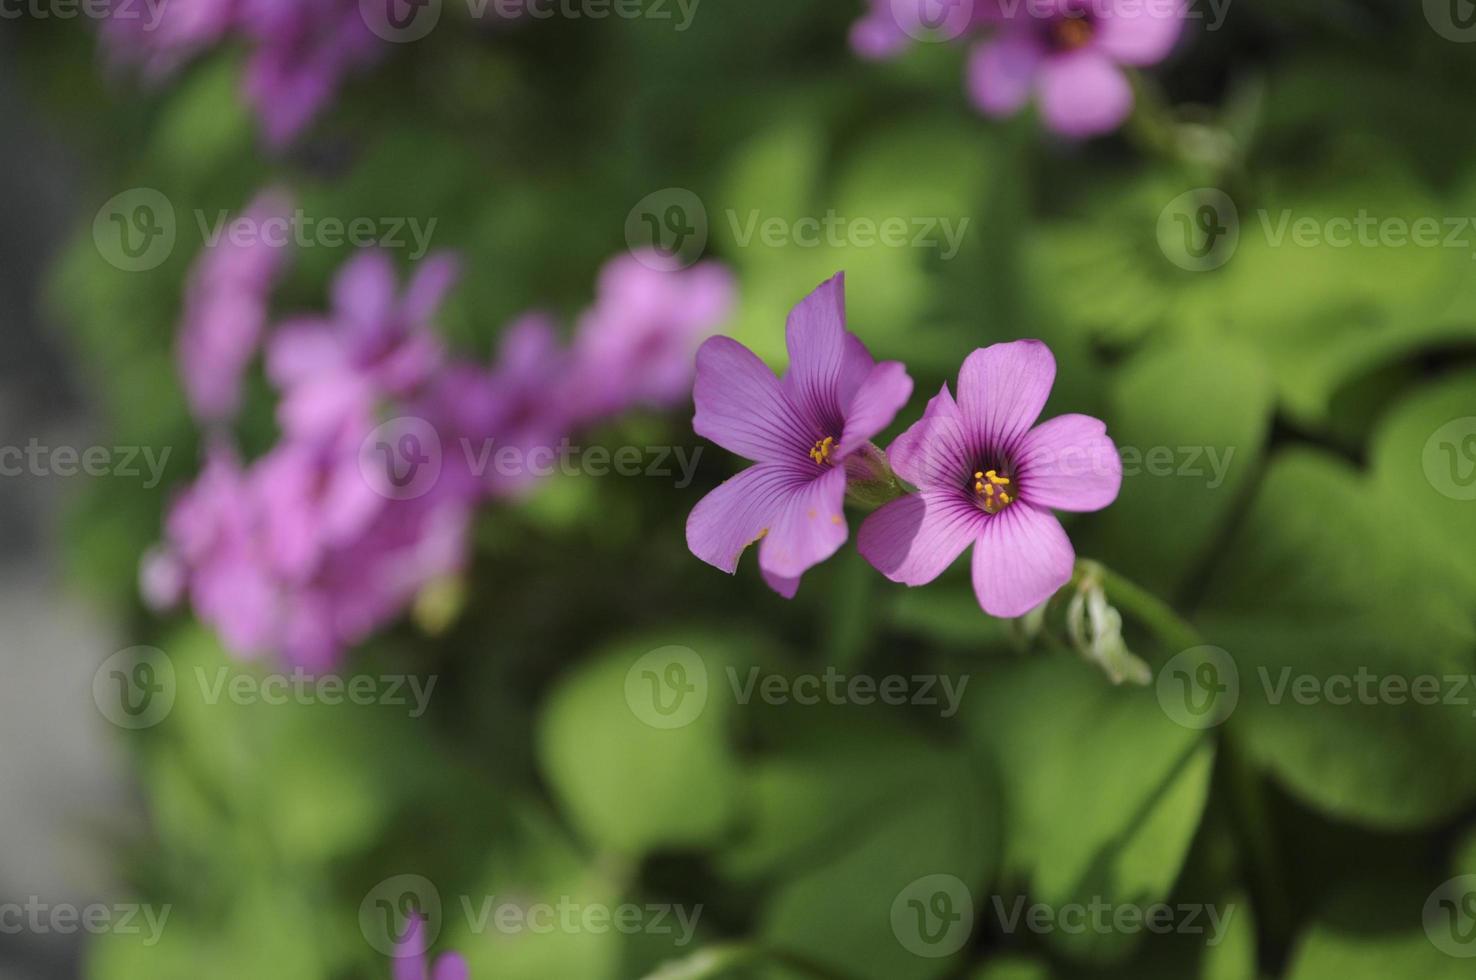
(836, 519)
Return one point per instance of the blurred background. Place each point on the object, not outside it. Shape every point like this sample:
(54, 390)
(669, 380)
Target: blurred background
(550, 730)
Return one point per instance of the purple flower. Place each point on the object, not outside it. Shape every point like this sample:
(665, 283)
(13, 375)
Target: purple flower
(890, 25)
(519, 406)
(1068, 54)
(303, 51)
(410, 958)
(225, 311)
(988, 476)
(300, 50)
(635, 345)
(799, 432)
(374, 345)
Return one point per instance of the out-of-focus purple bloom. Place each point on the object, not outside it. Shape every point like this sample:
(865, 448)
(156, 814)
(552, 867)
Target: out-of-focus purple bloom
(410, 959)
(1068, 54)
(373, 345)
(635, 346)
(297, 556)
(159, 38)
(300, 50)
(304, 49)
(501, 423)
(225, 310)
(799, 432)
(988, 476)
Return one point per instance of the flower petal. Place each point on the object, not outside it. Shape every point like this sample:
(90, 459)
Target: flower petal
(914, 539)
(433, 279)
(738, 512)
(1022, 558)
(1139, 34)
(933, 452)
(1084, 94)
(810, 528)
(1001, 72)
(875, 404)
(1001, 391)
(451, 966)
(740, 405)
(1069, 463)
(815, 335)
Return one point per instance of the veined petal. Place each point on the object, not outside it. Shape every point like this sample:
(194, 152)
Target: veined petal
(739, 512)
(428, 287)
(811, 526)
(741, 407)
(1084, 94)
(1069, 463)
(933, 452)
(1001, 391)
(880, 397)
(815, 335)
(912, 540)
(1022, 558)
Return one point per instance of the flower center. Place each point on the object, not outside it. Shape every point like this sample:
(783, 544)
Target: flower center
(992, 491)
(821, 452)
(1071, 32)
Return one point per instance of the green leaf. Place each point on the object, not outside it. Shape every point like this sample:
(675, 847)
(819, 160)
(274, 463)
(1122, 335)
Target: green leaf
(1424, 456)
(1103, 791)
(1191, 422)
(625, 783)
(1320, 583)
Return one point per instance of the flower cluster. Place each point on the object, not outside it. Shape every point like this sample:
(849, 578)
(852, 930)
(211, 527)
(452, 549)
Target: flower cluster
(1068, 55)
(333, 532)
(300, 51)
(986, 475)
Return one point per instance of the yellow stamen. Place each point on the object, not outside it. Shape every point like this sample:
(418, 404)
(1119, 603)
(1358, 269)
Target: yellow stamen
(1072, 33)
(992, 492)
(821, 453)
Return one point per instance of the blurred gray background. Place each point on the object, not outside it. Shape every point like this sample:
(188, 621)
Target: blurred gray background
(63, 776)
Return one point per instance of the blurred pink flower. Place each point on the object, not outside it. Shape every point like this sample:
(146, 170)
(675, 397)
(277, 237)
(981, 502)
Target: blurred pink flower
(1067, 54)
(225, 309)
(636, 345)
(410, 959)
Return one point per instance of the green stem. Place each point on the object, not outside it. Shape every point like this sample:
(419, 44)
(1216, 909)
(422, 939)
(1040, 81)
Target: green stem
(1159, 617)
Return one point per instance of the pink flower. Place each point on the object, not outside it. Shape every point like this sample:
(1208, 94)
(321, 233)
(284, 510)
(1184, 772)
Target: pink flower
(799, 432)
(988, 476)
(374, 345)
(1068, 54)
(635, 346)
(225, 310)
